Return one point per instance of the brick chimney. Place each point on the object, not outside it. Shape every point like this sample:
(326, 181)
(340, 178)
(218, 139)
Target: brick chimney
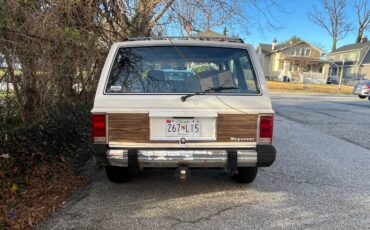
(364, 40)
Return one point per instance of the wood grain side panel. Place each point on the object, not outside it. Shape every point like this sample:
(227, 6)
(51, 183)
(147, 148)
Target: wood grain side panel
(129, 127)
(134, 127)
(236, 126)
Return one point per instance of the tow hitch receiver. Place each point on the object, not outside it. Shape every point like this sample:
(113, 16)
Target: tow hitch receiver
(182, 172)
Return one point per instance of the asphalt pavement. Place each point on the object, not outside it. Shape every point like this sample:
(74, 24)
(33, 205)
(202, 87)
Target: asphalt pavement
(320, 180)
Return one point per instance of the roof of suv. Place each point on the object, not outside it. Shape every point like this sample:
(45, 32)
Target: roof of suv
(185, 41)
(199, 38)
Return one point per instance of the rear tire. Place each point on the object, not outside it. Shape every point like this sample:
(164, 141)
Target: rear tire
(362, 97)
(117, 174)
(245, 175)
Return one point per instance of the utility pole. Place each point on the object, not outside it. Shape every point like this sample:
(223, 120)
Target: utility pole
(341, 75)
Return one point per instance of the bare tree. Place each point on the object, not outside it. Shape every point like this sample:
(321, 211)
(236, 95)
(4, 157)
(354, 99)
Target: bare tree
(117, 20)
(332, 19)
(60, 45)
(320, 46)
(202, 15)
(210, 14)
(363, 18)
(51, 42)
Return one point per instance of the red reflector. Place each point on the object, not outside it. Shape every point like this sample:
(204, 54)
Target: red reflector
(266, 127)
(98, 127)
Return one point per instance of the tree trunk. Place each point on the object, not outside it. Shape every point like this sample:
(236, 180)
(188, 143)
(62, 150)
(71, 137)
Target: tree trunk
(334, 46)
(360, 33)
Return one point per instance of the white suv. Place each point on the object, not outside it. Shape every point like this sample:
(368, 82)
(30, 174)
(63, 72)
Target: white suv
(182, 102)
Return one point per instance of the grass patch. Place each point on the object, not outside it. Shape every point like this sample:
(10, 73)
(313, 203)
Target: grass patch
(300, 87)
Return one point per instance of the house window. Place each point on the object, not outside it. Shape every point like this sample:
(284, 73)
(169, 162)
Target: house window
(281, 65)
(308, 52)
(292, 51)
(321, 68)
(293, 67)
(348, 71)
(334, 71)
(295, 51)
(307, 68)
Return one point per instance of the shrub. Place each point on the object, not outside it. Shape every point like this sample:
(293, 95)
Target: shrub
(64, 136)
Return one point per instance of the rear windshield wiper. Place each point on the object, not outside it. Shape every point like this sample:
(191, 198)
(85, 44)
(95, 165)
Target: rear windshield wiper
(210, 90)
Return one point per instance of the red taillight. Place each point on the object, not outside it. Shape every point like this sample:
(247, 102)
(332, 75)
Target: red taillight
(266, 129)
(98, 130)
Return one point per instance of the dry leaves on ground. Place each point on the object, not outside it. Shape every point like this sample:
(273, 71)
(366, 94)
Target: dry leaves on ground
(48, 186)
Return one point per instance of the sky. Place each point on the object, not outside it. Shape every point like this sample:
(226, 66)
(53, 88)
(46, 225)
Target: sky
(295, 22)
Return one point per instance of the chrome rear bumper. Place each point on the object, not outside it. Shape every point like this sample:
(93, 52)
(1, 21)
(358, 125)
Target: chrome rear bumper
(189, 158)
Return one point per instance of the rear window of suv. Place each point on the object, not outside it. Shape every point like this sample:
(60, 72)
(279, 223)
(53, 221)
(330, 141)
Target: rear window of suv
(181, 69)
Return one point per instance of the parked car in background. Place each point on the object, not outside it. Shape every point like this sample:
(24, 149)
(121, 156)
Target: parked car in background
(362, 89)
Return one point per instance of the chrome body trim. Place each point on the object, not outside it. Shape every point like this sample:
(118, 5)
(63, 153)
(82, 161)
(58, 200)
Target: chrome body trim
(197, 145)
(118, 157)
(190, 158)
(187, 138)
(247, 158)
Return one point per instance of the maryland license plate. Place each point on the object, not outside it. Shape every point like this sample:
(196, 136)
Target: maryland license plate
(182, 128)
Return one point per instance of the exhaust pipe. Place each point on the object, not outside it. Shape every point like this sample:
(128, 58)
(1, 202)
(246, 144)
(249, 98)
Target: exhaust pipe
(182, 172)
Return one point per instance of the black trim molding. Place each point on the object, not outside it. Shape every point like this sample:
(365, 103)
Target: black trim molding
(266, 155)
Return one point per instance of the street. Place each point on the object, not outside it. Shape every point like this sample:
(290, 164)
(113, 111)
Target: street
(320, 180)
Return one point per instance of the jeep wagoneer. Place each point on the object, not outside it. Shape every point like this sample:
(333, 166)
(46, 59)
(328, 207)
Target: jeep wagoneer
(182, 102)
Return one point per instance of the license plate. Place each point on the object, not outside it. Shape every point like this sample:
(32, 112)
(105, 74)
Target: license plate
(182, 128)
